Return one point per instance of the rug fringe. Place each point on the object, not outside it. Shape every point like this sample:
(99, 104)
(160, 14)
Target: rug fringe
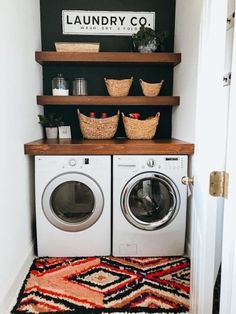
(145, 313)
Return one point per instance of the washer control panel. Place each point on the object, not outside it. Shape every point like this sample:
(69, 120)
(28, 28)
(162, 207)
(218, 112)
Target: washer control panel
(164, 163)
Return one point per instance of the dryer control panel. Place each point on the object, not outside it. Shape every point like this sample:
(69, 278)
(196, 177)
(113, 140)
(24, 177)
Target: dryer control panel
(73, 162)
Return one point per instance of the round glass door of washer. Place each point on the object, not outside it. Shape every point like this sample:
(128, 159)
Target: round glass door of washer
(150, 201)
(72, 202)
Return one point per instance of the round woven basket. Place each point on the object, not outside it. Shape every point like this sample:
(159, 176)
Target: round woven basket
(118, 88)
(94, 128)
(140, 129)
(151, 89)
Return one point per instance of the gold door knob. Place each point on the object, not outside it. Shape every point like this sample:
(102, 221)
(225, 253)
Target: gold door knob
(187, 180)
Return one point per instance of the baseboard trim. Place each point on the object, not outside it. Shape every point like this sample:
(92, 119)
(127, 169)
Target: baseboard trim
(9, 300)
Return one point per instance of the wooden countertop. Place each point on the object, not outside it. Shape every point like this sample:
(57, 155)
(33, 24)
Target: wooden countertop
(109, 147)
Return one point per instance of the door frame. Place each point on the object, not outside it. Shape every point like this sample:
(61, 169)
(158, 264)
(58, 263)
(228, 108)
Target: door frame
(210, 135)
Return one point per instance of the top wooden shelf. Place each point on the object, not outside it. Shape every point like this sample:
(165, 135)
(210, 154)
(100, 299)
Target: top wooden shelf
(47, 57)
(109, 147)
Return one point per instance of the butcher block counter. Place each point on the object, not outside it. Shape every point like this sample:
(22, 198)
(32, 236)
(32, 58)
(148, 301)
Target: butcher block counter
(109, 147)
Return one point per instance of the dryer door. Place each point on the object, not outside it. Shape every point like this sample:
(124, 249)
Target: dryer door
(150, 201)
(72, 201)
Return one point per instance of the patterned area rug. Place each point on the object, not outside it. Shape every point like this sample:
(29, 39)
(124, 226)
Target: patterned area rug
(106, 285)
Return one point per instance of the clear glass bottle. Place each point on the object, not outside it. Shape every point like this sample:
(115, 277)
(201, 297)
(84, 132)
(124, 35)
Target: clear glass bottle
(60, 86)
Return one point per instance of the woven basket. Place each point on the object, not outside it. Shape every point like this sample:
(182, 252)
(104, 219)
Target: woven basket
(151, 89)
(77, 47)
(118, 88)
(93, 128)
(140, 129)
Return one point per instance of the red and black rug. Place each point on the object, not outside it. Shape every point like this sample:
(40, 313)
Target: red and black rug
(106, 285)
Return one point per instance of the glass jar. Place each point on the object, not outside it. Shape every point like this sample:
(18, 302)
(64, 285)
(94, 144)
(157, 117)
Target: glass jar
(80, 86)
(60, 87)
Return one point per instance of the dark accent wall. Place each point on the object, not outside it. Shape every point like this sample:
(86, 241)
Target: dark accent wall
(51, 28)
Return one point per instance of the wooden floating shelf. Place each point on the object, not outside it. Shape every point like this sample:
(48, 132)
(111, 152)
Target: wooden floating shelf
(109, 147)
(108, 100)
(44, 57)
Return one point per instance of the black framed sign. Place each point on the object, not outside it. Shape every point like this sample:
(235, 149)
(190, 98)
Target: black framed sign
(112, 23)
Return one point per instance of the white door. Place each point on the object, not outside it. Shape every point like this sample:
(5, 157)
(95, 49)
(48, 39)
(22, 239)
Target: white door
(228, 278)
(210, 155)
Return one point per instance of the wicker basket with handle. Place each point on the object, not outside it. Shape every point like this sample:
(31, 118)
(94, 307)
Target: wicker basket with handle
(77, 47)
(140, 129)
(118, 88)
(94, 128)
(151, 89)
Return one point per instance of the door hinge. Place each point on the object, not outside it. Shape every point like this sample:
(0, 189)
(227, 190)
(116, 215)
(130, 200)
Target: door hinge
(219, 181)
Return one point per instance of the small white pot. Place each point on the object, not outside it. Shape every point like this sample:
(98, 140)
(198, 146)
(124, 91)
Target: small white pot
(148, 48)
(51, 132)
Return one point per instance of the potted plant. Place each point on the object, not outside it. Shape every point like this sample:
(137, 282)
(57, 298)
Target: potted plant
(51, 123)
(148, 40)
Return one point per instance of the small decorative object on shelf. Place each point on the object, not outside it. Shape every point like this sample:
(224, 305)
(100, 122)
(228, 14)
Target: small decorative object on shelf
(136, 129)
(51, 123)
(64, 132)
(77, 47)
(92, 115)
(60, 86)
(151, 89)
(147, 40)
(134, 115)
(118, 88)
(80, 86)
(100, 128)
(103, 115)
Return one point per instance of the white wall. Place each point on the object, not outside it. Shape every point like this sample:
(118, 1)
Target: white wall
(20, 82)
(185, 74)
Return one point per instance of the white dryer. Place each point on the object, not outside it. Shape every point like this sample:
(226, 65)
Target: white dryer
(149, 205)
(73, 205)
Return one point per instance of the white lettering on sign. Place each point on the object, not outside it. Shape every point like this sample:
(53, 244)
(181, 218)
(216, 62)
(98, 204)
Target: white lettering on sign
(78, 22)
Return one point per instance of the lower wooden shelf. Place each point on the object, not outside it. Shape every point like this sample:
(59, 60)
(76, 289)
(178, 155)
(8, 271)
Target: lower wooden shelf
(109, 147)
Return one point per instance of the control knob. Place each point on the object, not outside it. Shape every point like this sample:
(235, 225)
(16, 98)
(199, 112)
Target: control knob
(151, 163)
(72, 162)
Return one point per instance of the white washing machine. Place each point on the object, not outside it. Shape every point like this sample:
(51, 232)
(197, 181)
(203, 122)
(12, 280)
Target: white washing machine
(73, 205)
(149, 205)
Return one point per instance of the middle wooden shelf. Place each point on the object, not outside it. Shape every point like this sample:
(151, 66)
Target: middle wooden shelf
(108, 100)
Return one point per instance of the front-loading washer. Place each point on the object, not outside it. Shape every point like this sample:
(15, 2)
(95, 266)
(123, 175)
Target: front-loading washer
(73, 205)
(149, 205)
